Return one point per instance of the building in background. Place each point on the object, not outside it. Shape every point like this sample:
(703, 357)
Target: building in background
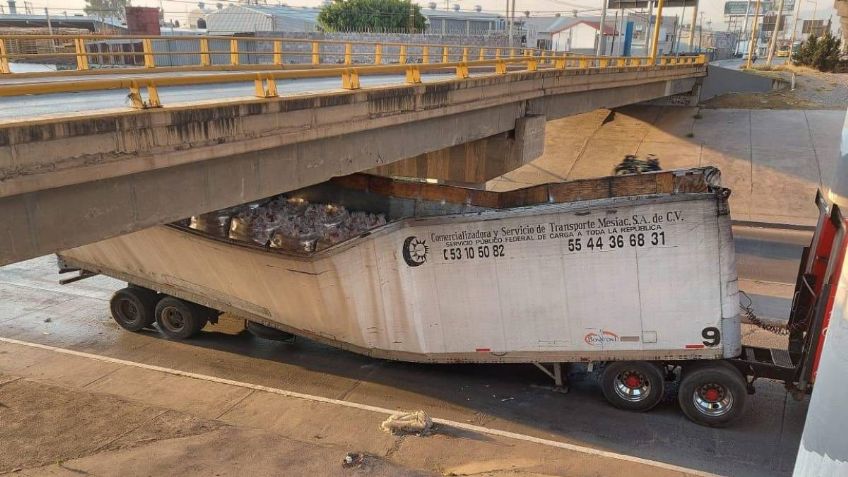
(459, 22)
(581, 36)
(197, 17)
(261, 18)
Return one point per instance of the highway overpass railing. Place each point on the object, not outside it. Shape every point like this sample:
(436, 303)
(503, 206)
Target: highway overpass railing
(93, 53)
(262, 60)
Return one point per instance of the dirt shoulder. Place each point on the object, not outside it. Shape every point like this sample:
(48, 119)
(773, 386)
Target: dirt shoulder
(813, 90)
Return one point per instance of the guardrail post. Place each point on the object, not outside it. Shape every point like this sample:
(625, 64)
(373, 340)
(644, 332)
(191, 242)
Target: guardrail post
(445, 55)
(348, 55)
(482, 55)
(149, 59)
(316, 50)
(278, 52)
(584, 63)
(462, 71)
(350, 79)
(559, 63)
(413, 75)
(234, 52)
(265, 92)
(137, 100)
(497, 53)
(204, 52)
(622, 62)
(465, 55)
(603, 62)
(4, 58)
(702, 59)
(500, 67)
(532, 63)
(82, 55)
(512, 52)
(425, 55)
(378, 54)
(402, 55)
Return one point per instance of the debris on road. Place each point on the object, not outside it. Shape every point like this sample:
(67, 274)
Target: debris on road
(353, 459)
(416, 422)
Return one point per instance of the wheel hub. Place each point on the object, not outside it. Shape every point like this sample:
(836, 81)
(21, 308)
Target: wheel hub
(632, 386)
(173, 319)
(712, 399)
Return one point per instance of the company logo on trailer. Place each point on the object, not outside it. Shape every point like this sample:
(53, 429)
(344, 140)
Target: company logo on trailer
(415, 251)
(598, 339)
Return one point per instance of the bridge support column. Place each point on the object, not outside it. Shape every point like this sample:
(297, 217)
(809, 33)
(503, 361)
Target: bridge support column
(477, 161)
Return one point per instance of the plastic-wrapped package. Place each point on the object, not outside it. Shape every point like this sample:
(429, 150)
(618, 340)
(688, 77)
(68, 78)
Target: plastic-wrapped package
(214, 223)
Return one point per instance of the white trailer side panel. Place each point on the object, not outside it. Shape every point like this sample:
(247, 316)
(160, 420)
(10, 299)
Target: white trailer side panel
(624, 278)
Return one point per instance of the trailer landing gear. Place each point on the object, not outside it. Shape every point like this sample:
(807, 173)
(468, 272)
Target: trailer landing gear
(633, 385)
(712, 394)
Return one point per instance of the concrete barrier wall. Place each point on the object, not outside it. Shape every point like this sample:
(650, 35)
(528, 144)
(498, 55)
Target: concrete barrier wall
(721, 81)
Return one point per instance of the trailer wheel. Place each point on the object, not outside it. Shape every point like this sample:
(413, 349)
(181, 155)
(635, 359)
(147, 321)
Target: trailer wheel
(133, 308)
(178, 319)
(712, 394)
(633, 385)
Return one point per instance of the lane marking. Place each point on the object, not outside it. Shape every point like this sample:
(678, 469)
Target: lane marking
(364, 407)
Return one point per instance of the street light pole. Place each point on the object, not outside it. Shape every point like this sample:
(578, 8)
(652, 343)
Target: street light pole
(773, 42)
(694, 21)
(602, 44)
(745, 26)
(656, 38)
(753, 44)
(794, 27)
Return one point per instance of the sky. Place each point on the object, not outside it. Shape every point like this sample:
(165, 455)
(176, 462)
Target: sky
(177, 9)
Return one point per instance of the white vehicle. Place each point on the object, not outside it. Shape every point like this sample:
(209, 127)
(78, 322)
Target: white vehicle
(634, 275)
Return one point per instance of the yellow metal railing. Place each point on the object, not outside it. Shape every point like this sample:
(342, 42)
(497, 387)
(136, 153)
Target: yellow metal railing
(91, 54)
(266, 87)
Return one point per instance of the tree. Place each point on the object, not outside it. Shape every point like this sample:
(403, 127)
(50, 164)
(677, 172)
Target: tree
(819, 53)
(104, 9)
(371, 15)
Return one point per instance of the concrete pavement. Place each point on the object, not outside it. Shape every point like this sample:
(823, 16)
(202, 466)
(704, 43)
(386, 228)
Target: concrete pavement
(514, 398)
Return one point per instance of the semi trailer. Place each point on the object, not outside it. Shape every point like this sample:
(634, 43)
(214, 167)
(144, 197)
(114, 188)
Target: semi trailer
(633, 276)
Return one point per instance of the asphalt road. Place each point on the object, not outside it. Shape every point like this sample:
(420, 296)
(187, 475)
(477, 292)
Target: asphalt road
(34, 308)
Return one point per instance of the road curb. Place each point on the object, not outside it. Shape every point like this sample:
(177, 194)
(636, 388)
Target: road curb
(772, 225)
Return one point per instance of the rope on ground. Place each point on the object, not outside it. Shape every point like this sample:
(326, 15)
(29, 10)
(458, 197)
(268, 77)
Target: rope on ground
(748, 311)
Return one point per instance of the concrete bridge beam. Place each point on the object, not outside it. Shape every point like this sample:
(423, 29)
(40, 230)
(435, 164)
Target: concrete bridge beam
(68, 181)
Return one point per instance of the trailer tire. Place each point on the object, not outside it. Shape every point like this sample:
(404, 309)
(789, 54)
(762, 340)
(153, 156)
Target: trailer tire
(133, 308)
(178, 319)
(712, 394)
(633, 385)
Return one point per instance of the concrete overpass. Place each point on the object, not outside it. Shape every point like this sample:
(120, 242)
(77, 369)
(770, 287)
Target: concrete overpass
(70, 179)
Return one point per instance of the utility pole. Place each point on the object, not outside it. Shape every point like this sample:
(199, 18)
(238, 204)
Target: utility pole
(773, 42)
(511, 22)
(648, 26)
(694, 21)
(602, 44)
(745, 26)
(656, 38)
(508, 24)
(794, 27)
(49, 25)
(753, 45)
(612, 47)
